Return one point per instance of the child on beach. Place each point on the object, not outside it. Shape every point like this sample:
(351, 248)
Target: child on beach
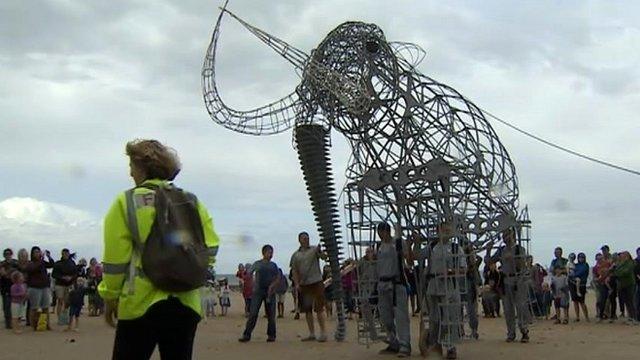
(225, 300)
(281, 292)
(560, 289)
(208, 300)
(211, 300)
(76, 302)
(18, 300)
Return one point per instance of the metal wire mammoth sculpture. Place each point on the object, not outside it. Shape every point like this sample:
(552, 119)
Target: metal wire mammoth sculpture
(421, 153)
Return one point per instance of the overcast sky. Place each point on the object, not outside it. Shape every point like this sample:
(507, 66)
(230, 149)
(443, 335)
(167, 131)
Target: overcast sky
(78, 79)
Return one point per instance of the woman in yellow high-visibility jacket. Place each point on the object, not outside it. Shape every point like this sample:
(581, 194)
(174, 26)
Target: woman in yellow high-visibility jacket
(147, 316)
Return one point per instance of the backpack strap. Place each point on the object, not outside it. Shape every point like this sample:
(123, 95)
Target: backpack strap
(132, 222)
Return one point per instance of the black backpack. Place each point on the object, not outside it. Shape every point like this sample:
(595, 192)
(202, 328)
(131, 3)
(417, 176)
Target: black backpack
(174, 256)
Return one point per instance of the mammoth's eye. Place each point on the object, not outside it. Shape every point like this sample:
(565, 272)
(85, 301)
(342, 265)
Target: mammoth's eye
(372, 46)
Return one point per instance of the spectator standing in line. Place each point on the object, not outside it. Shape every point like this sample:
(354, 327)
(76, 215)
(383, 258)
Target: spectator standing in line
(624, 272)
(240, 276)
(64, 274)
(558, 260)
(7, 267)
(412, 289)
(240, 273)
(571, 264)
(578, 286)
(210, 299)
(281, 292)
(328, 290)
(94, 276)
(538, 274)
(38, 284)
(23, 261)
(594, 283)
(621, 302)
(560, 290)
(349, 287)
(82, 268)
(494, 278)
(266, 280)
(18, 300)
(247, 288)
(602, 281)
(612, 284)
(305, 264)
(489, 301)
(224, 297)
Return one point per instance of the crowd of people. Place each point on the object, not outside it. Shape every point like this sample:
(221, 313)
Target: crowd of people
(615, 279)
(509, 281)
(33, 284)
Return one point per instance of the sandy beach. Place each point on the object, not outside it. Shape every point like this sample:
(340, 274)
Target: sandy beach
(217, 339)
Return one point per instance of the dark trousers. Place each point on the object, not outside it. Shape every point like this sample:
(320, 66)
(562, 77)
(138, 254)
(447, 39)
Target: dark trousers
(247, 305)
(270, 307)
(168, 324)
(603, 295)
(613, 302)
(6, 309)
(349, 302)
(535, 298)
(625, 295)
(637, 301)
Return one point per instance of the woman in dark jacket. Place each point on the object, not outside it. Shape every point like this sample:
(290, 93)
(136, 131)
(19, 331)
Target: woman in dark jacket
(38, 285)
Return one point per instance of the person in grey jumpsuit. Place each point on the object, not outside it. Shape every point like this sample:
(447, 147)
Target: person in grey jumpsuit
(446, 269)
(515, 300)
(367, 290)
(392, 293)
(471, 295)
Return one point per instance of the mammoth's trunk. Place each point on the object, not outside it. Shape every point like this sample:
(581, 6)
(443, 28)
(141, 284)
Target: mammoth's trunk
(313, 151)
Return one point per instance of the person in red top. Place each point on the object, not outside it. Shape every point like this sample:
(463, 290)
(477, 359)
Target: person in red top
(348, 286)
(247, 288)
(240, 272)
(602, 277)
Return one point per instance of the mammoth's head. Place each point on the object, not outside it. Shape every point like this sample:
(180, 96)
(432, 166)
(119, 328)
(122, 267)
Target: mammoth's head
(350, 72)
(346, 78)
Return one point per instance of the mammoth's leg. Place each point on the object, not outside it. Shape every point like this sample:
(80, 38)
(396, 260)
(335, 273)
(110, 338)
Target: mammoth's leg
(312, 143)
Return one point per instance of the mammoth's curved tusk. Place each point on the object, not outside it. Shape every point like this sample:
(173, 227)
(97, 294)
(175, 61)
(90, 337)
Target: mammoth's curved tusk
(292, 54)
(272, 118)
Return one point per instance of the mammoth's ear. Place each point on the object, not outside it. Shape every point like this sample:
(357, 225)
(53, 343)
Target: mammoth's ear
(411, 53)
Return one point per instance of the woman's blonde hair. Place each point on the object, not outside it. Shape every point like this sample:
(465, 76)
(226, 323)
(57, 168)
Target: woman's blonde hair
(23, 255)
(155, 159)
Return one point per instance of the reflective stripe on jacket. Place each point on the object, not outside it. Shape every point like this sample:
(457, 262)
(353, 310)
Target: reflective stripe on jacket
(118, 252)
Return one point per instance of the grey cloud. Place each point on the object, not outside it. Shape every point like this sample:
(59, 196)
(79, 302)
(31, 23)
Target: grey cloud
(79, 80)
